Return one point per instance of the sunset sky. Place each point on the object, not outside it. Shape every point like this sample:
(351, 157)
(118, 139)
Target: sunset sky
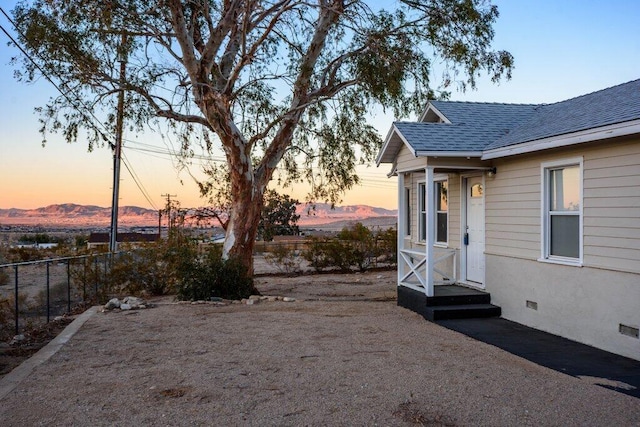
(562, 49)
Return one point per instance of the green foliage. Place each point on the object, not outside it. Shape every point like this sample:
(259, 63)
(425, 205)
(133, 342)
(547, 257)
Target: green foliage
(202, 278)
(81, 241)
(285, 91)
(278, 216)
(25, 254)
(152, 269)
(353, 248)
(39, 238)
(387, 246)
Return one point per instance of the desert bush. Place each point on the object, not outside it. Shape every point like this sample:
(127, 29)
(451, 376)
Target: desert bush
(152, 269)
(353, 247)
(387, 246)
(207, 276)
(8, 313)
(57, 293)
(315, 254)
(5, 279)
(24, 254)
(358, 246)
(285, 259)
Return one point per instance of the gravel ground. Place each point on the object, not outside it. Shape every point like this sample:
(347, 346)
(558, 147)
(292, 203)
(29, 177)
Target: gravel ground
(342, 354)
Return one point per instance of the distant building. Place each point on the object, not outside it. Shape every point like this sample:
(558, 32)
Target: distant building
(97, 240)
(21, 245)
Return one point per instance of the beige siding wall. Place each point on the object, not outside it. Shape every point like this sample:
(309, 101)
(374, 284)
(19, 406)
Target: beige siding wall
(454, 210)
(407, 161)
(512, 209)
(611, 205)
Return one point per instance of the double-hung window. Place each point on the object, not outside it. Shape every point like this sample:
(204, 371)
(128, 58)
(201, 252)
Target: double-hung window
(440, 215)
(562, 211)
(442, 209)
(422, 212)
(407, 210)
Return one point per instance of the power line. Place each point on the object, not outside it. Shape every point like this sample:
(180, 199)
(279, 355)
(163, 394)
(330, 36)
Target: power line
(46, 76)
(138, 182)
(145, 148)
(77, 103)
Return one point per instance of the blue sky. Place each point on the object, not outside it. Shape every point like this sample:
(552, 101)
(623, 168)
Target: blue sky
(562, 49)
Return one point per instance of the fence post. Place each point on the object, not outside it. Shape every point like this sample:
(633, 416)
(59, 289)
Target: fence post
(17, 307)
(69, 285)
(48, 293)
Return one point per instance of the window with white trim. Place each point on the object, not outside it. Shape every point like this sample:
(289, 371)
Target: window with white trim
(407, 210)
(422, 212)
(442, 211)
(562, 211)
(441, 214)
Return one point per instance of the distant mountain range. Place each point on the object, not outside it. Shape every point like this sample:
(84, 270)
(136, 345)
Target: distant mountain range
(69, 214)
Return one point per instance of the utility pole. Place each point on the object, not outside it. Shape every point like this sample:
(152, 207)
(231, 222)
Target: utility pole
(117, 153)
(168, 196)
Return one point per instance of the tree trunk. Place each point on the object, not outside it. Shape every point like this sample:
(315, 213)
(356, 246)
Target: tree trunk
(244, 218)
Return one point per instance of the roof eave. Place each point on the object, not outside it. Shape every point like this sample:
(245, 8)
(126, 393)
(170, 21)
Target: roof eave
(387, 142)
(433, 108)
(589, 135)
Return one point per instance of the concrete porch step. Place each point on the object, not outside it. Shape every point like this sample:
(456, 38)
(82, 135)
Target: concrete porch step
(462, 311)
(449, 302)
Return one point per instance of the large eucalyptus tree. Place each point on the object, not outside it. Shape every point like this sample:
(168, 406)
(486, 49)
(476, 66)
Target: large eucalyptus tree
(281, 85)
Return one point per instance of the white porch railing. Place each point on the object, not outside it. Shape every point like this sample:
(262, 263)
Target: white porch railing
(414, 266)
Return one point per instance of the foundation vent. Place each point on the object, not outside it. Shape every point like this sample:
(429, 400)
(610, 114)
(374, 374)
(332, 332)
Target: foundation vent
(533, 305)
(628, 330)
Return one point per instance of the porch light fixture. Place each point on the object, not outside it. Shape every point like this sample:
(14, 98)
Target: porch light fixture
(492, 172)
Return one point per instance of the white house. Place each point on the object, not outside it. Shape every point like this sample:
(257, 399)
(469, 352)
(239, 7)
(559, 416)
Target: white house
(535, 207)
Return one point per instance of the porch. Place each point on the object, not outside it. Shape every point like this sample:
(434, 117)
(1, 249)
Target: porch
(433, 273)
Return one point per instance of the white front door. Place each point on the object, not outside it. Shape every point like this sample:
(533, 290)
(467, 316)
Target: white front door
(474, 238)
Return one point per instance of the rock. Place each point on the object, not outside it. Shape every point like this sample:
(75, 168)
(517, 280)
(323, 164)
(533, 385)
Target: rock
(271, 299)
(379, 276)
(134, 302)
(252, 301)
(124, 306)
(216, 299)
(264, 298)
(142, 306)
(255, 297)
(113, 303)
(288, 299)
(17, 339)
(235, 301)
(58, 318)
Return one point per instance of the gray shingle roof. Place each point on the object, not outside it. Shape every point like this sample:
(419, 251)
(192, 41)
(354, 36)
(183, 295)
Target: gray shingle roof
(617, 104)
(473, 126)
(486, 126)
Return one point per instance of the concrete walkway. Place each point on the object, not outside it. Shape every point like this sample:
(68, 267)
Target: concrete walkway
(589, 363)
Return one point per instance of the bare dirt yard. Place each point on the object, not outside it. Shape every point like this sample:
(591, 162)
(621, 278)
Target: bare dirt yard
(342, 353)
